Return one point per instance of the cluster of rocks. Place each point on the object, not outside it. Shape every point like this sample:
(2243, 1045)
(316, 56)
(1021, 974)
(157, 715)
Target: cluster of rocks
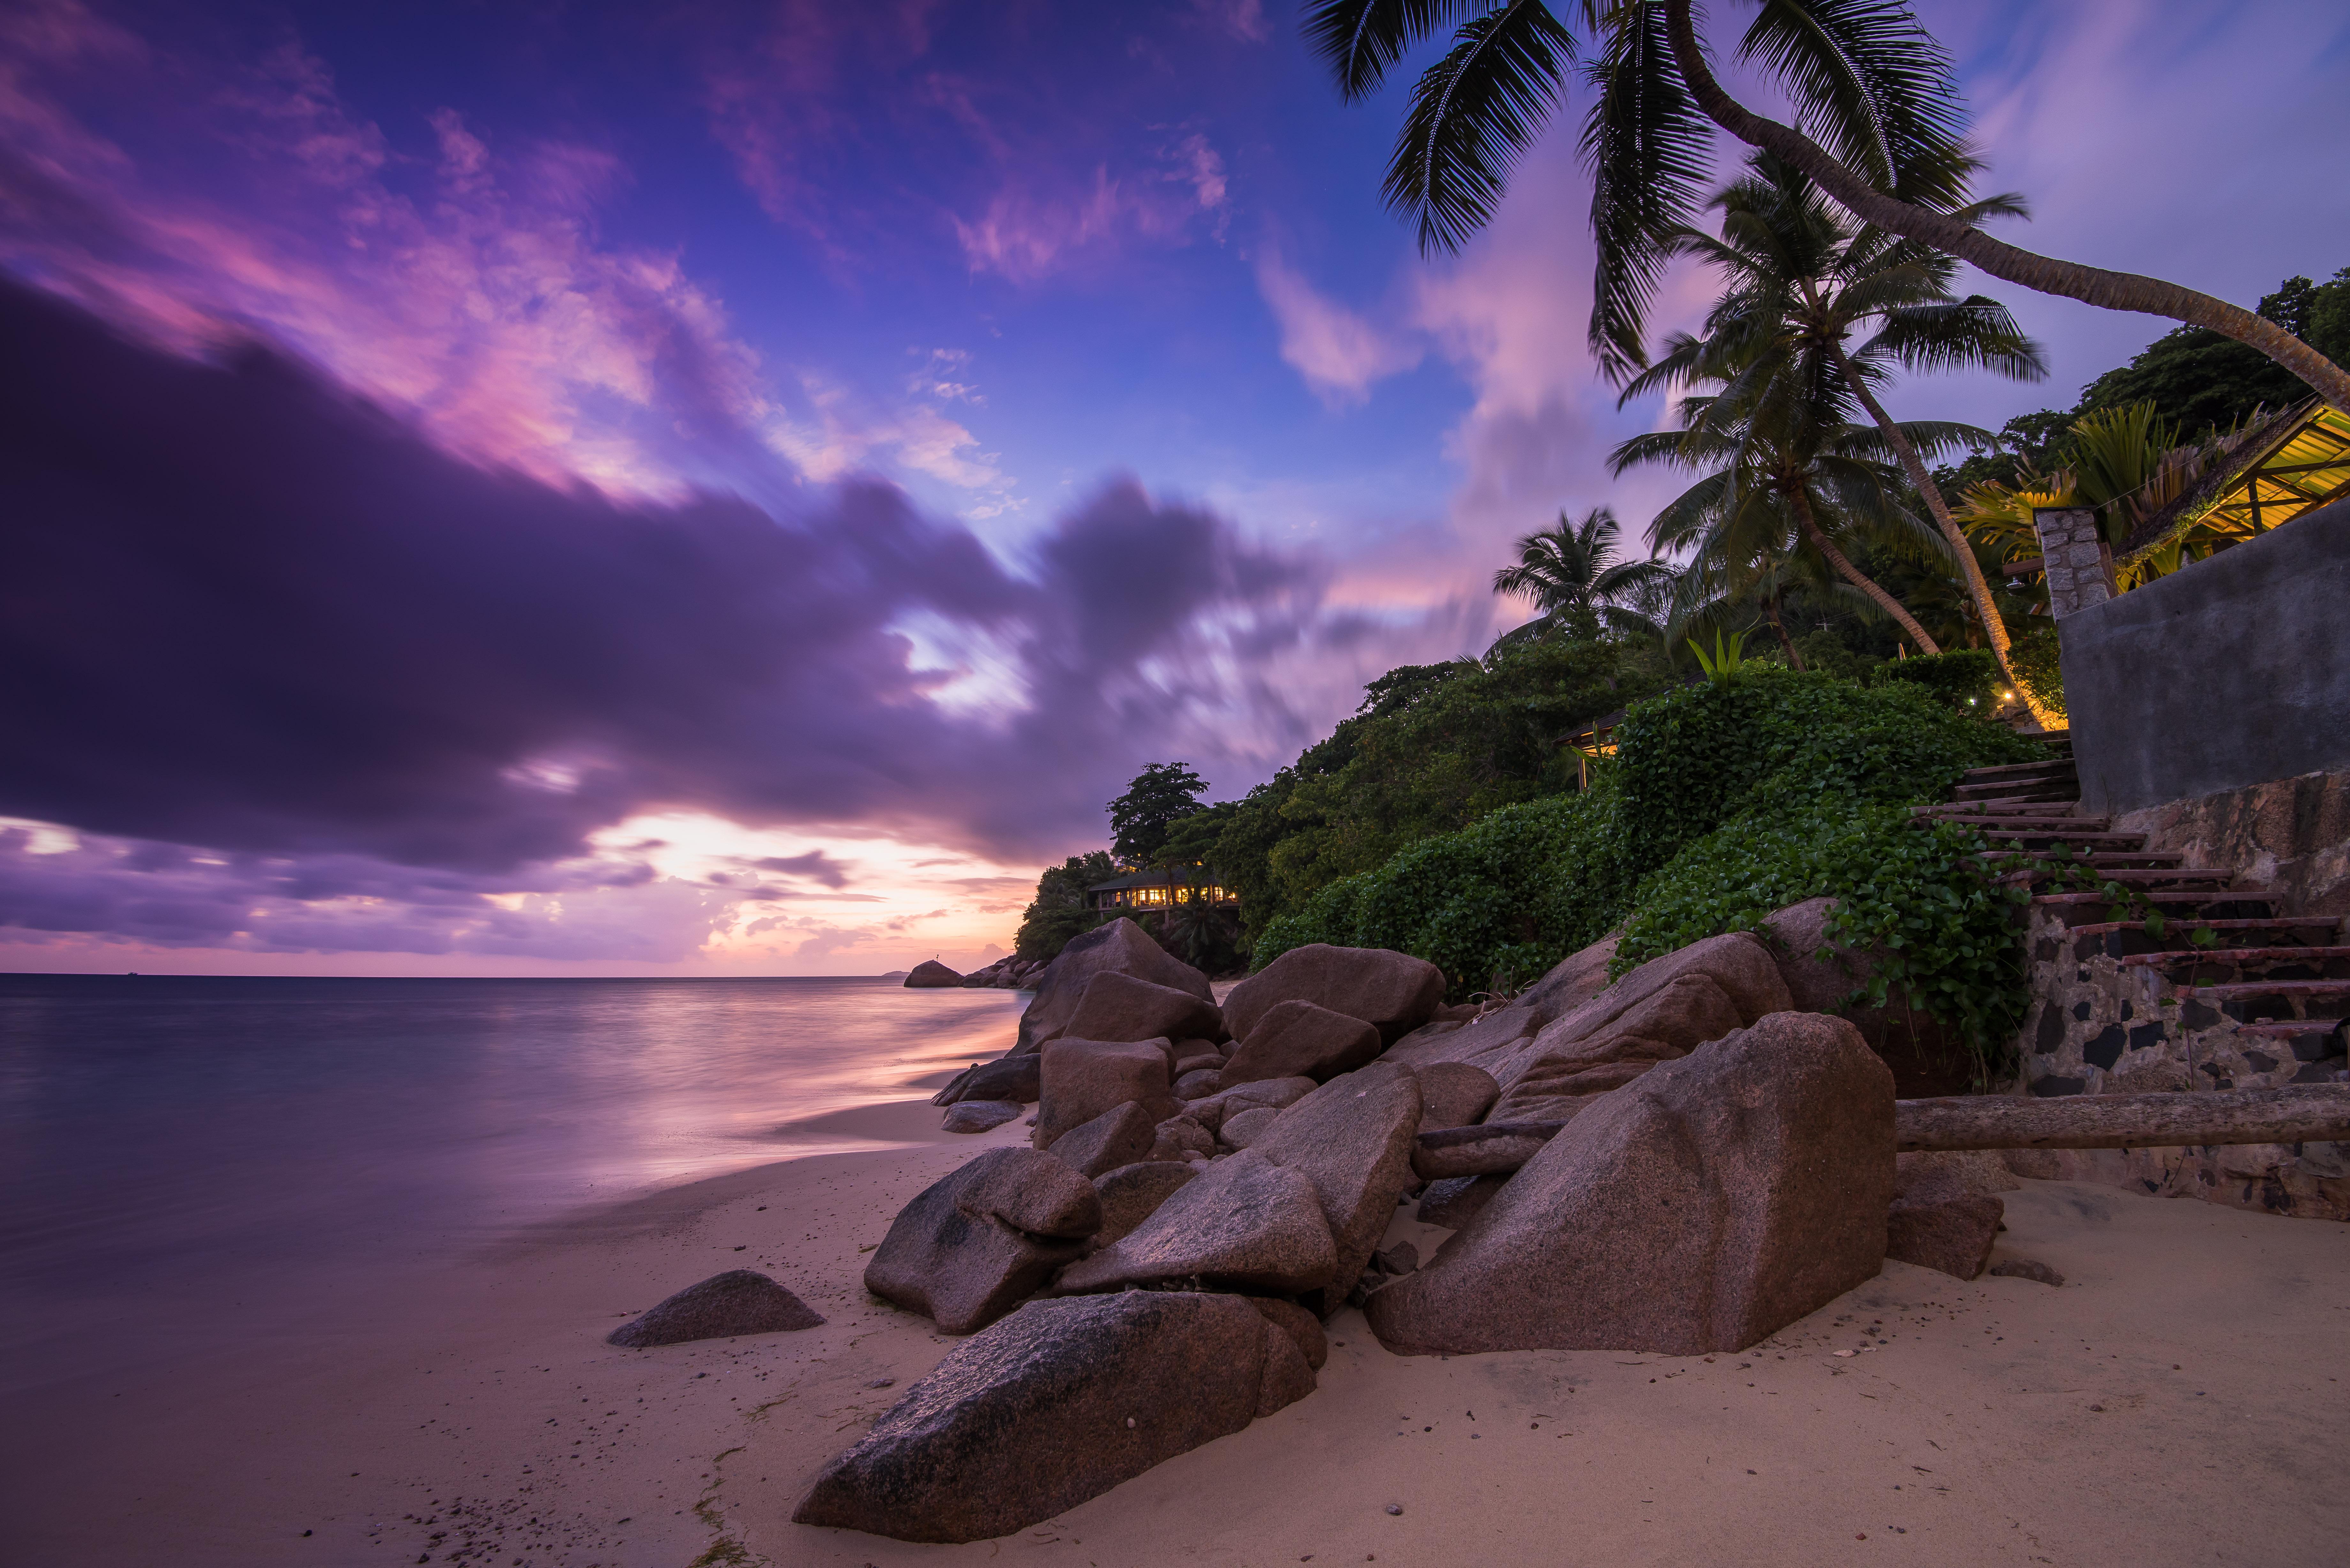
(1206, 1183)
(1008, 973)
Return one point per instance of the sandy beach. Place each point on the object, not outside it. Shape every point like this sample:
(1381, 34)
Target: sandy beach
(2177, 1400)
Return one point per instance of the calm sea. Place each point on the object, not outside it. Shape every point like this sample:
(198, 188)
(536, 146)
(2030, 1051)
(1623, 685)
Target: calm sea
(214, 1139)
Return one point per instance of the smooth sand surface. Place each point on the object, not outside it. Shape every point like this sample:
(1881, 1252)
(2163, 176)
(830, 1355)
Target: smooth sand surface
(2180, 1399)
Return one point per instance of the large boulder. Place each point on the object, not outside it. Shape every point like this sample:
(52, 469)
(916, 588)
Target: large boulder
(976, 1244)
(1352, 1137)
(1946, 1212)
(1120, 947)
(1455, 1200)
(930, 974)
(1454, 1095)
(980, 1115)
(1480, 1042)
(1119, 1136)
(1116, 1006)
(1703, 1208)
(1005, 1078)
(1080, 1079)
(740, 1300)
(1243, 1222)
(1209, 1110)
(1394, 992)
(1928, 1059)
(1301, 1040)
(1658, 1012)
(1059, 1403)
(1132, 1193)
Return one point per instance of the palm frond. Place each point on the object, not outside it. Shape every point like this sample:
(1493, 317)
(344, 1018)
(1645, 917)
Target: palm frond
(1974, 333)
(1361, 40)
(1473, 114)
(1870, 83)
(1648, 149)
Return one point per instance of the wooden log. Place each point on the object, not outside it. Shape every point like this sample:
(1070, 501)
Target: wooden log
(2298, 1113)
(1492, 1149)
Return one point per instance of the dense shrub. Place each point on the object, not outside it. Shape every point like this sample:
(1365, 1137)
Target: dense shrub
(1966, 679)
(1724, 803)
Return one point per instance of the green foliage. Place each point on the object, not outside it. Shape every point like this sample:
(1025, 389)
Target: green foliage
(1160, 794)
(1435, 749)
(1914, 892)
(1965, 680)
(1058, 911)
(1722, 804)
(2039, 667)
(2200, 380)
(1728, 660)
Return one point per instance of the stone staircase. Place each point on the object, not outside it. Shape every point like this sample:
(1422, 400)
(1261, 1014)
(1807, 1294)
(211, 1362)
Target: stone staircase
(2183, 981)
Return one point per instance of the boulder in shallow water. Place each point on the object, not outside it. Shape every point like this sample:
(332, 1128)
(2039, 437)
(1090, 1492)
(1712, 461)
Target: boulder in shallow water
(738, 1301)
(1058, 1403)
(976, 1243)
(981, 1115)
(1701, 1209)
(930, 974)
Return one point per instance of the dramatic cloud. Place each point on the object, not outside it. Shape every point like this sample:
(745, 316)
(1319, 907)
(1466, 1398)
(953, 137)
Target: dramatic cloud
(248, 612)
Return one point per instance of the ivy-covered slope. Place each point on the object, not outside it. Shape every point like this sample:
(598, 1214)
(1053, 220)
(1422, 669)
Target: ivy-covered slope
(1724, 803)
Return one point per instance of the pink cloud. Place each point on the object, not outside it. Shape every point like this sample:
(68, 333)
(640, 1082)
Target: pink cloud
(1341, 354)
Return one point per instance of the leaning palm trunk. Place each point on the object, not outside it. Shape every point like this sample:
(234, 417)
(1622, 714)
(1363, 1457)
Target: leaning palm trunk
(2043, 274)
(1978, 587)
(1854, 575)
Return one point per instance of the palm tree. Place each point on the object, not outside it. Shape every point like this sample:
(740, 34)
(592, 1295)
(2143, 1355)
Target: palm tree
(1571, 572)
(1801, 277)
(1863, 78)
(1781, 475)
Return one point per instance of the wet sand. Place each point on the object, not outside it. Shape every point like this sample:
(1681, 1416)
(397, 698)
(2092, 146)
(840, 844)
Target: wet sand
(2180, 1399)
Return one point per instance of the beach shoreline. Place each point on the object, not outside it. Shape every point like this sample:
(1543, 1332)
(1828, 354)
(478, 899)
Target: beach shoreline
(477, 1416)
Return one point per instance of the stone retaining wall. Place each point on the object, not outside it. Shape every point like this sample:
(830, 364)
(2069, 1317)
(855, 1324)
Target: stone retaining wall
(2288, 837)
(2099, 1028)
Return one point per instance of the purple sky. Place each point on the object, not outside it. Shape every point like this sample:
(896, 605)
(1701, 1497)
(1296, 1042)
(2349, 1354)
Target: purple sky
(731, 489)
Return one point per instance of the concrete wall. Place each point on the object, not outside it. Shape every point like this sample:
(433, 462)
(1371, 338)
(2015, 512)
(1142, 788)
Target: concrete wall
(2233, 673)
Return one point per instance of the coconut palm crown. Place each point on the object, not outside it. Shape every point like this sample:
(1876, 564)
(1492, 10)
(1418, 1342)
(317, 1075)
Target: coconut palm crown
(1878, 126)
(1800, 277)
(1572, 574)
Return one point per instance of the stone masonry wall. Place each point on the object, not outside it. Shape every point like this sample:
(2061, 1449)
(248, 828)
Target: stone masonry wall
(2099, 1028)
(2290, 836)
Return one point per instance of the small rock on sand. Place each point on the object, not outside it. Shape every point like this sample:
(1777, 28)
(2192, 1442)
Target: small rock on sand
(740, 1300)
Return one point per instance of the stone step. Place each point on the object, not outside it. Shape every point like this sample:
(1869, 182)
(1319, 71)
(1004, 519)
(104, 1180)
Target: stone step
(2306, 989)
(2278, 923)
(2095, 842)
(2230, 955)
(2291, 1029)
(2163, 898)
(2057, 826)
(2165, 878)
(2055, 767)
(1998, 794)
(2005, 805)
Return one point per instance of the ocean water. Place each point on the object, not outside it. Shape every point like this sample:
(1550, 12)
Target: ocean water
(171, 1146)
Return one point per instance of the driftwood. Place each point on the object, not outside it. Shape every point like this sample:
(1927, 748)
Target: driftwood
(2299, 1113)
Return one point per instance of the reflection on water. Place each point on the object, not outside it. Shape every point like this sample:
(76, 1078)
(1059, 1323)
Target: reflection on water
(161, 1134)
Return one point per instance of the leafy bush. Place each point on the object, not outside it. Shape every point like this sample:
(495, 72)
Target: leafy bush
(1722, 804)
(2038, 666)
(1966, 679)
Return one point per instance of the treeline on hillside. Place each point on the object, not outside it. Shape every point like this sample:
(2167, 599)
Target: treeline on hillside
(1431, 750)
